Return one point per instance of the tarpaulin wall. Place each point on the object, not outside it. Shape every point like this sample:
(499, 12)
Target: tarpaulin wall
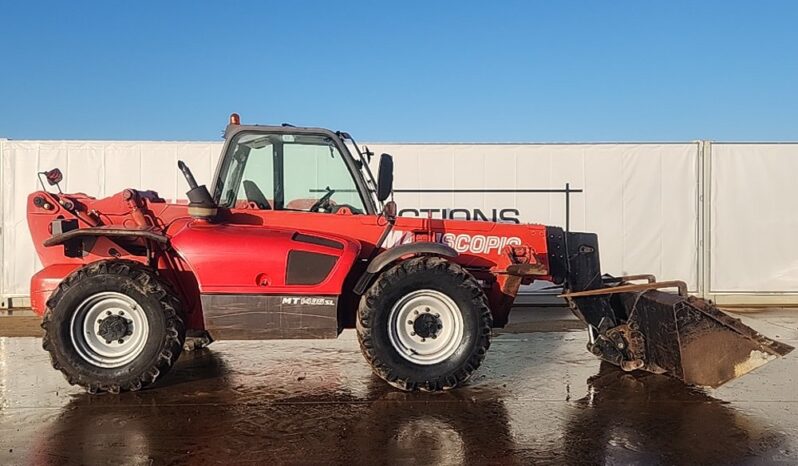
(752, 195)
(642, 199)
(720, 216)
(98, 168)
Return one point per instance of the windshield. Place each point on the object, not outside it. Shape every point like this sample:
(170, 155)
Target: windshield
(303, 172)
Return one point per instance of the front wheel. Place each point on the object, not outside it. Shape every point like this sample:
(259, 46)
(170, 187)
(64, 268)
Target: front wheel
(424, 325)
(113, 326)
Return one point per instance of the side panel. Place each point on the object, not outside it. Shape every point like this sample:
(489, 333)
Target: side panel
(485, 248)
(478, 244)
(259, 282)
(264, 317)
(254, 259)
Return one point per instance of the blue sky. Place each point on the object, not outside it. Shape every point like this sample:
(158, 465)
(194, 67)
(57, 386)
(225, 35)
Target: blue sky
(402, 71)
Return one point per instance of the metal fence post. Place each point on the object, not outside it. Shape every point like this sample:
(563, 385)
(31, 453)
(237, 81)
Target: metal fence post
(3, 300)
(705, 220)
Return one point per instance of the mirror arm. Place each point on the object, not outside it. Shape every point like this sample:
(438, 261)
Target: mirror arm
(388, 228)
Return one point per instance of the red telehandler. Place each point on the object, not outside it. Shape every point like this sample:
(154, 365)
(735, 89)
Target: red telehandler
(296, 239)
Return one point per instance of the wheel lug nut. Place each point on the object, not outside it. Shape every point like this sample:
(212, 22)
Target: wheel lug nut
(121, 313)
(107, 342)
(120, 341)
(99, 321)
(415, 311)
(409, 322)
(108, 313)
(434, 336)
(426, 309)
(423, 340)
(412, 334)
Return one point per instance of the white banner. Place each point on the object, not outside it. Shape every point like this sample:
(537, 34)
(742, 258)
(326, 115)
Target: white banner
(754, 219)
(640, 198)
(97, 168)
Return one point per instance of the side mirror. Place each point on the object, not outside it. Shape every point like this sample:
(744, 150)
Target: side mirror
(385, 177)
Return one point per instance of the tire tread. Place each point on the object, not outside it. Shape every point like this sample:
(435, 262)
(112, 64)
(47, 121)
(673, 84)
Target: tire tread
(151, 284)
(392, 277)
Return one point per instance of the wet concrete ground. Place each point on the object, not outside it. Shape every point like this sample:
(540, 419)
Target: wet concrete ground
(539, 398)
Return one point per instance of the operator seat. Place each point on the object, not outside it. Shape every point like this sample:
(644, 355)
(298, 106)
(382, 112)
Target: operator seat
(254, 194)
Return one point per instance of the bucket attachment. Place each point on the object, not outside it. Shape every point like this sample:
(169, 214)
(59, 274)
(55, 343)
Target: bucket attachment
(638, 326)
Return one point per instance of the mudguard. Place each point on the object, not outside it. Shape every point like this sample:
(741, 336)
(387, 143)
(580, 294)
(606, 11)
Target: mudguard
(393, 254)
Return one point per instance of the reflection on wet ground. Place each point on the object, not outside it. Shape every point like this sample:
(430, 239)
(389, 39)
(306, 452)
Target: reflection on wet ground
(539, 398)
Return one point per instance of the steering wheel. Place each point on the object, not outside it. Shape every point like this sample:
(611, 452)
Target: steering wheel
(318, 204)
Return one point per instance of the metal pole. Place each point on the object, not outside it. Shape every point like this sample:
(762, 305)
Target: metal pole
(567, 207)
(567, 285)
(705, 222)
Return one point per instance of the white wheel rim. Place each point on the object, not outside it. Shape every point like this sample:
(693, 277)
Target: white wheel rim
(412, 318)
(128, 326)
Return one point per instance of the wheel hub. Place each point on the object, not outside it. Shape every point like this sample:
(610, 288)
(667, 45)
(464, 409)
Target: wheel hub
(109, 329)
(114, 327)
(427, 325)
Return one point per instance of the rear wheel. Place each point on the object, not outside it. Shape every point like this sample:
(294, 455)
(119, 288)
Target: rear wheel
(113, 326)
(424, 325)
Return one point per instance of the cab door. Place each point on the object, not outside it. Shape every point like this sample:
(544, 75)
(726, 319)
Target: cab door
(260, 282)
(272, 268)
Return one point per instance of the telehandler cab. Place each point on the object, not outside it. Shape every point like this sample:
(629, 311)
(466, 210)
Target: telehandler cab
(296, 239)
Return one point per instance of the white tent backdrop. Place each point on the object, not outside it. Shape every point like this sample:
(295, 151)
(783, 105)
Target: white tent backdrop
(754, 220)
(639, 198)
(644, 200)
(98, 168)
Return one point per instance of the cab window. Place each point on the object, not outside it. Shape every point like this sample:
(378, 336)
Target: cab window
(287, 172)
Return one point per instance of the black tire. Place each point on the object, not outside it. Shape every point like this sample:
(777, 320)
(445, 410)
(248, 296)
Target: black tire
(157, 301)
(433, 273)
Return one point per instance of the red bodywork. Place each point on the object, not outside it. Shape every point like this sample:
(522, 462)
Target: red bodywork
(244, 251)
